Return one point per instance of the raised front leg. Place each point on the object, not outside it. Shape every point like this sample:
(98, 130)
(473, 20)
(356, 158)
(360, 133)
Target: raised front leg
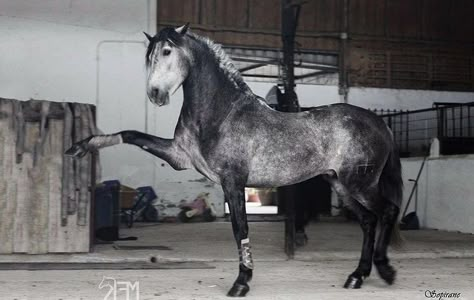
(234, 194)
(162, 148)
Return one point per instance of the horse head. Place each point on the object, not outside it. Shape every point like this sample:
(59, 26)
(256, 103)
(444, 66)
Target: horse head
(167, 63)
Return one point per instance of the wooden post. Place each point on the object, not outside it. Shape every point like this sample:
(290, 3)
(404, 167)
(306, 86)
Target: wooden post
(289, 103)
(93, 169)
(343, 57)
(92, 199)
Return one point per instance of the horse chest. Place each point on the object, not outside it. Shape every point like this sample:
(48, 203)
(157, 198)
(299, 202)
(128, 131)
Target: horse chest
(208, 173)
(201, 165)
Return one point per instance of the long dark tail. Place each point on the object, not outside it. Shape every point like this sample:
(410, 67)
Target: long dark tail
(391, 189)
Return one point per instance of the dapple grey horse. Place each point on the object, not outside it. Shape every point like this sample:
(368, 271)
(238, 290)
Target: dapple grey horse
(234, 138)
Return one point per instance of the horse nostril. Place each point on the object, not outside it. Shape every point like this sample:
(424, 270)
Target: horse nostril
(154, 93)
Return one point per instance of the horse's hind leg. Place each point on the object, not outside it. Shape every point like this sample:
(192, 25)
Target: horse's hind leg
(381, 260)
(234, 194)
(368, 223)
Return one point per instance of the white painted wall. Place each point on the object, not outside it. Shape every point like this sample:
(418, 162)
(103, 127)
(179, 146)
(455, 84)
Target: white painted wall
(371, 98)
(445, 191)
(93, 52)
(403, 99)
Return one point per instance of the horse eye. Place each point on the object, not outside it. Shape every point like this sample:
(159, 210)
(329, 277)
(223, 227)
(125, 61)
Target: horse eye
(166, 52)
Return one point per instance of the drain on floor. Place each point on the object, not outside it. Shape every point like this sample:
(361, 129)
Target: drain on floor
(37, 266)
(140, 247)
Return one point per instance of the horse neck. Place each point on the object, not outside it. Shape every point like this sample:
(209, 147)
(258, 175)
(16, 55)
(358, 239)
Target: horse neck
(209, 96)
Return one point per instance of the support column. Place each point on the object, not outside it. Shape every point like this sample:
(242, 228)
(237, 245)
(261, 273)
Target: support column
(289, 103)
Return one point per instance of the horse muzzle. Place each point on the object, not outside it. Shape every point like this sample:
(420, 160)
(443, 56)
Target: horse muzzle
(158, 98)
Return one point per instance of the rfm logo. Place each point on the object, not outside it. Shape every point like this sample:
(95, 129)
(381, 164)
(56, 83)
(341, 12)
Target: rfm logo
(114, 286)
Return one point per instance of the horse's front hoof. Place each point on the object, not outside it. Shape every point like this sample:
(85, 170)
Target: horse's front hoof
(79, 149)
(353, 282)
(387, 273)
(76, 151)
(238, 290)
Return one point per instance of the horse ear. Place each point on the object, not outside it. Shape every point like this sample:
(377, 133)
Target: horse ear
(149, 37)
(183, 29)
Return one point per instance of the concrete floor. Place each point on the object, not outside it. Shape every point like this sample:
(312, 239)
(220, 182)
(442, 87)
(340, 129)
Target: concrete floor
(285, 280)
(430, 260)
(328, 240)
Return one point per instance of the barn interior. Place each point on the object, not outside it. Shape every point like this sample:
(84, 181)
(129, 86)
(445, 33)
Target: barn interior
(70, 69)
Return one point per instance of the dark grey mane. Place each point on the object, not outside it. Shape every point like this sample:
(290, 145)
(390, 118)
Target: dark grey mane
(224, 61)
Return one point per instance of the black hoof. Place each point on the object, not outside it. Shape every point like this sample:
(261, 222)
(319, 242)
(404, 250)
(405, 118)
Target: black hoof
(238, 290)
(387, 273)
(353, 282)
(301, 239)
(79, 149)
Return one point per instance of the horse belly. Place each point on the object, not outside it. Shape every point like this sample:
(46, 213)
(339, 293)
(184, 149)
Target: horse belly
(284, 169)
(301, 161)
(277, 177)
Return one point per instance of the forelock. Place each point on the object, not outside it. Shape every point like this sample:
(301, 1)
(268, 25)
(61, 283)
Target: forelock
(168, 34)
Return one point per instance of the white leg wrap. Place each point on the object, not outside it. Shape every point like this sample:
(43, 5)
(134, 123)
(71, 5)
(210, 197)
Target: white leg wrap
(244, 253)
(102, 141)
